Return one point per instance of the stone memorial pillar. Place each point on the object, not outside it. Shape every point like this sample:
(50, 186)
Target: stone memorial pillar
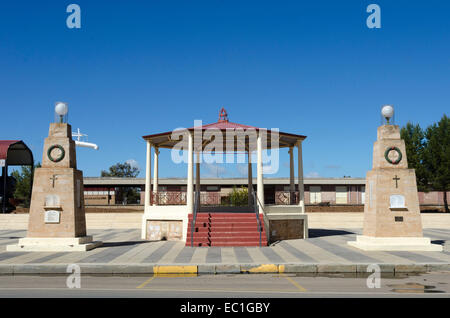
(392, 220)
(57, 217)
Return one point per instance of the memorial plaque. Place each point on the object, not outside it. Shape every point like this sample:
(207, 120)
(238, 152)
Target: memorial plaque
(399, 219)
(397, 201)
(52, 216)
(52, 200)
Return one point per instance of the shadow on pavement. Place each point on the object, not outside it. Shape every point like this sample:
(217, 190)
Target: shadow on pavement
(321, 232)
(440, 242)
(127, 243)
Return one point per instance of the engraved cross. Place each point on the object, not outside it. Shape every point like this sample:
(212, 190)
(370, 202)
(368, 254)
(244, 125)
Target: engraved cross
(396, 180)
(54, 178)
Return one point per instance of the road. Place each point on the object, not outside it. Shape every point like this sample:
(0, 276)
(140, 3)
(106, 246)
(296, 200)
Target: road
(225, 286)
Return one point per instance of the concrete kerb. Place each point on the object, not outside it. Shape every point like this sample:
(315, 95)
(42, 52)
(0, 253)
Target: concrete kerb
(336, 268)
(6, 269)
(155, 269)
(384, 268)
(260, 268)
(298, 268)
(411, 268)
(438, 267)
(25, 269)
(227, 269)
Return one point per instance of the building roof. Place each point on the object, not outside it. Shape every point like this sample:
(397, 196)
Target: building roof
(244, 135)
(15, 153)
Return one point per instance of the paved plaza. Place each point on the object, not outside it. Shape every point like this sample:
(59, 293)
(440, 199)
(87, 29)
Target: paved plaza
(123, 249)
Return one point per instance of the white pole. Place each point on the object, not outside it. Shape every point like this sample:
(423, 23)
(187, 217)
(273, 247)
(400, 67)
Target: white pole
(259, 166)
(250, 178)
(148, 175)
(190, 176)
(197, 172)
(301, 188)
(155, 175)
(292, 175)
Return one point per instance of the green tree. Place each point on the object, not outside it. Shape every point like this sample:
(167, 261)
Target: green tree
(239, 197)
(121, 170)
(415, 143)
(436, 159)
(23, 184)
(128, 195)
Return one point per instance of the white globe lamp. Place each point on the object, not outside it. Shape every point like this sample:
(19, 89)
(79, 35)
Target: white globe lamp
(61, 109)
(387, 112)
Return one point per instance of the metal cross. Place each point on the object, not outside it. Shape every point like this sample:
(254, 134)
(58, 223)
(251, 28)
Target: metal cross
(396, 180)
(54, 178)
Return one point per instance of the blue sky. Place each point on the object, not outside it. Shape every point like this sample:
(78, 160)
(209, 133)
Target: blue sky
(142, 67)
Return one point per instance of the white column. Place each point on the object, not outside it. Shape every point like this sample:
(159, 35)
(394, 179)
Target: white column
(250, 178)
(301, 189)
(259, 166)
(155, 173)
(190, 175)
(197, 172)
(148, 175)
(292, 175)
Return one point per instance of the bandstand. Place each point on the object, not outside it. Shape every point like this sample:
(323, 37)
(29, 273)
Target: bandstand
(199, 217)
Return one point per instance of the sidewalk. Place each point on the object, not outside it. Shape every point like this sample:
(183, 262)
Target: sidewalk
(316, 220)
(123, 252)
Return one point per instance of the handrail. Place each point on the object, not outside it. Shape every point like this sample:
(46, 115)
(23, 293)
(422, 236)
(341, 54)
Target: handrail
(256, 207)
(194, 216)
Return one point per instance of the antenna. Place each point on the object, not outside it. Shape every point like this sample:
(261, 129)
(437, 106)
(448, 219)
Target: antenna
(80, 143)
(78, 134)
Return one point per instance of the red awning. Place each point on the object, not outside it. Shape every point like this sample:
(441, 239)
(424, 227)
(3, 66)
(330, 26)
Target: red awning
(15, 153)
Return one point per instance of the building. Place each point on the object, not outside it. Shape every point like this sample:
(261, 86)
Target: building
(318, 191)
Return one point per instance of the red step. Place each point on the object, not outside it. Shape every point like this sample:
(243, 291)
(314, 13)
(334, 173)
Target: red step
(226, 229)
(227, 234)
(228, 244)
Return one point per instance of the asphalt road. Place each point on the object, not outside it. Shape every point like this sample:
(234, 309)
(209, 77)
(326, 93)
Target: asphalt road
(224, 286)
